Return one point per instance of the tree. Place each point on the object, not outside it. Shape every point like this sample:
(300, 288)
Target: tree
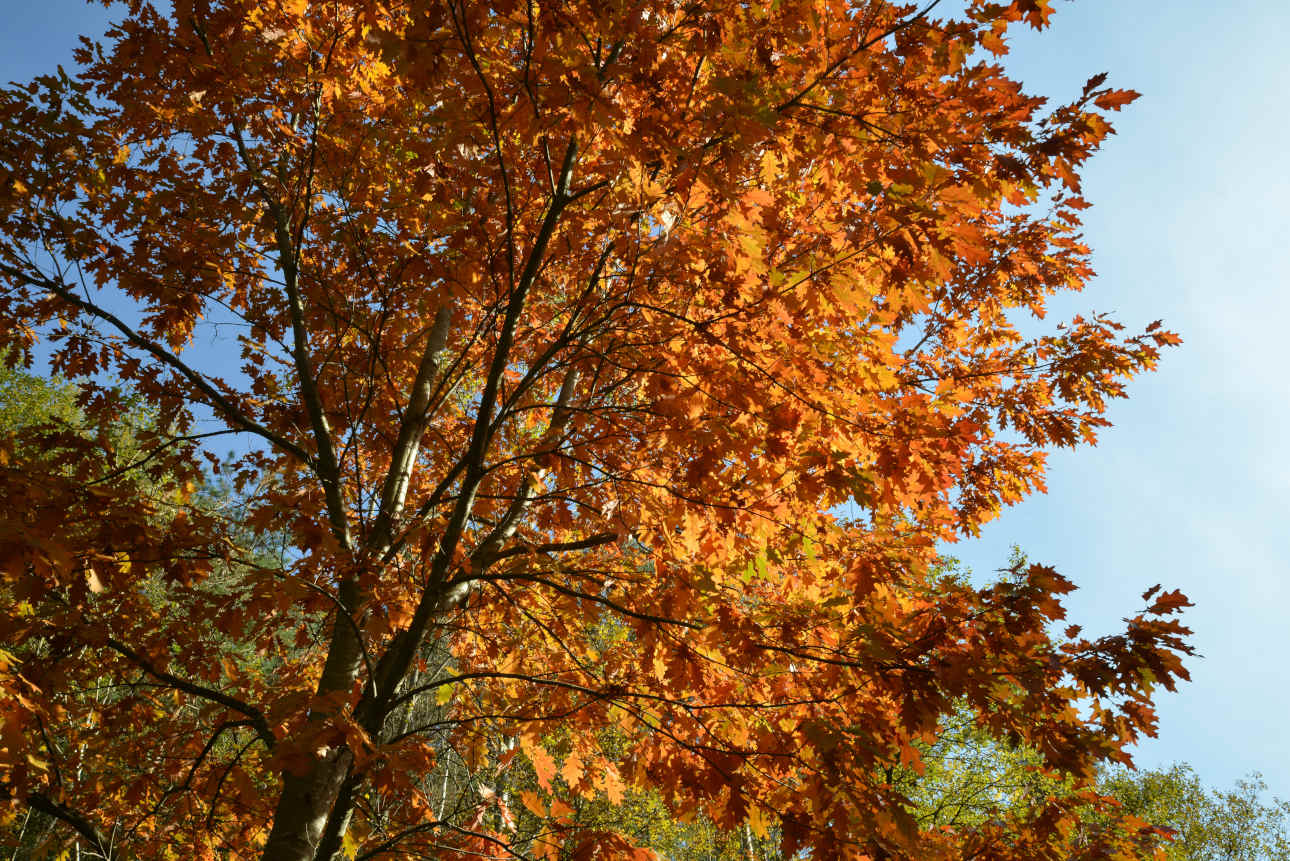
(564, 331)
(26, 399)
(969, 780)
(1205, 824)
(43, 428)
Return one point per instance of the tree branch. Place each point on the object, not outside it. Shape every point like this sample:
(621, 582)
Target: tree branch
(258, 722)
(326, 466)
(399, 656)
(395, 489)
(510, 522)
(215, 399)
(79, 823)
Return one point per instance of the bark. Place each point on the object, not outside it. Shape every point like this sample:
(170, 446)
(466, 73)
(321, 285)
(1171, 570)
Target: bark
(303, 809)
(307, 799)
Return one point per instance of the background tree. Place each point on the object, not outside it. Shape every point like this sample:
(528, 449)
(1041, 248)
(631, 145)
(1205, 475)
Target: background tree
(43, 428)
(551, 316)
(1207, 824)
(969, 781)
(27, 399)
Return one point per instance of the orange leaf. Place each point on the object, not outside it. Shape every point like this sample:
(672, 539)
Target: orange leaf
(1115, 99)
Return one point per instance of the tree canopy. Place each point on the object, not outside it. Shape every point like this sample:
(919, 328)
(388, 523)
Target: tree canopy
(564, 332)
(1205, 824)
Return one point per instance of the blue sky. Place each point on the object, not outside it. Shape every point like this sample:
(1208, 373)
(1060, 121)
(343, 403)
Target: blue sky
(1191, 486)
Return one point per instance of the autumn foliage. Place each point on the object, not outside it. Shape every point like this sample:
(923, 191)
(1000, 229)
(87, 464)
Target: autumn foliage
(602, 377)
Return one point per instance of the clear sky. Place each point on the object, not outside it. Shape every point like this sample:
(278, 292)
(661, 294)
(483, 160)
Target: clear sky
(1190, 488)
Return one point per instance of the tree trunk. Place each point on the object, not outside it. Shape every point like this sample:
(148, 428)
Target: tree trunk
(303, 808)
(307, 799)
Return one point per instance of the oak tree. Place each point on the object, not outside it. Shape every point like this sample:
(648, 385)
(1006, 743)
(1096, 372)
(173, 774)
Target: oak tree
(555, 338)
